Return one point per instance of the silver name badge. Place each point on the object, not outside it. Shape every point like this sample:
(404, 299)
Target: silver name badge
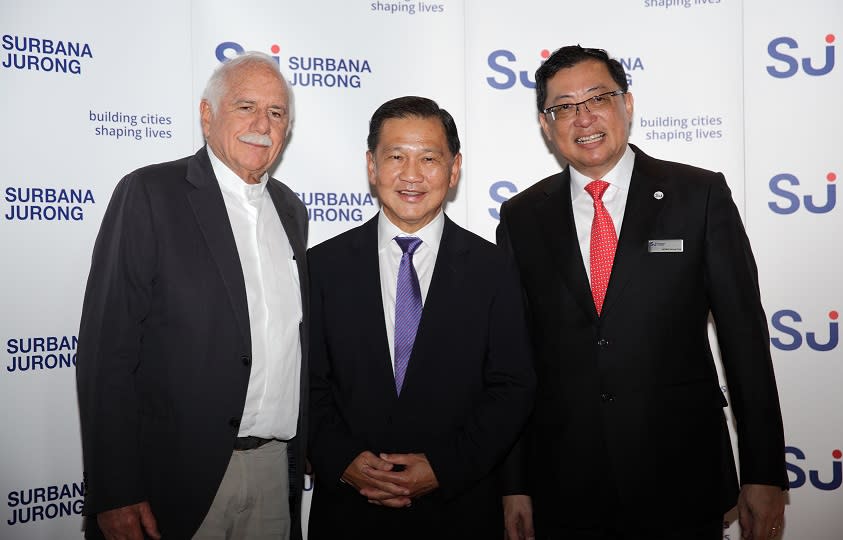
(665, 246)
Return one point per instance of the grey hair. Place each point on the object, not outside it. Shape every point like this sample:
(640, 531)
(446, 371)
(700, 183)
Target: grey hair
(218, 82)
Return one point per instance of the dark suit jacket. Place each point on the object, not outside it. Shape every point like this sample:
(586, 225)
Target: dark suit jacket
(164, 344)
(467, 391)
(628, 406)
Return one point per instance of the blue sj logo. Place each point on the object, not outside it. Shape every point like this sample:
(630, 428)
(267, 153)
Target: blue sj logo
(498, 62)
(797, 475)
(784, 321)
(500, 192)
(229, 49)
(502, 61)
(777, 49)
(779, 186)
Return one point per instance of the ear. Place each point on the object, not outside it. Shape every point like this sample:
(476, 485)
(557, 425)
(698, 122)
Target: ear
(370, 167)
(629, 102)
(545, 125)
(456, 167)
(206, 114)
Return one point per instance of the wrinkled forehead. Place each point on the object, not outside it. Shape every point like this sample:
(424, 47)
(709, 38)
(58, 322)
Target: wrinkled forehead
(256, 82)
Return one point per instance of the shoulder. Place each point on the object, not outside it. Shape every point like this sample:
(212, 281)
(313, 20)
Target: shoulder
(152, 181)
(674, 170)
(525, 201)
(161, 172)
(352, 239)
(483, 252)
(539, 190)
(286, 192)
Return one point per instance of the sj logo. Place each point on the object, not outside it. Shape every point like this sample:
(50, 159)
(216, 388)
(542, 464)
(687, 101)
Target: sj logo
(786, 321)
(789, 202)
(798, 476)
(783, 50)
(229, 49)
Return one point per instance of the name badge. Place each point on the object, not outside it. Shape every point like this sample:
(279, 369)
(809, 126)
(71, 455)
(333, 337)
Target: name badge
(665, 246)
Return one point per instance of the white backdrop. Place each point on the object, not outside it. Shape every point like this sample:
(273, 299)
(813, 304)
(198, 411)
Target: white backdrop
(93, 89)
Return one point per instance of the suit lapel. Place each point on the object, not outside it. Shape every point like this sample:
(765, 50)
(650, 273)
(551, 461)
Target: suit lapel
(556, 219)
(295, 235)
(288, 220)
(444, 293)
(364, 266)
(639, 222)
(212, 217)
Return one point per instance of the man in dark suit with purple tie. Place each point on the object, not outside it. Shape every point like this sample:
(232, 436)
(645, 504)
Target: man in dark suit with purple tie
(420, 372)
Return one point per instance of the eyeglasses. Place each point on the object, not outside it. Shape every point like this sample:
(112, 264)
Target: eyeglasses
(565, 111)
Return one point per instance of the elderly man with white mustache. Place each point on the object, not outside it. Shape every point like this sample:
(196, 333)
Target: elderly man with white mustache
(190, 346)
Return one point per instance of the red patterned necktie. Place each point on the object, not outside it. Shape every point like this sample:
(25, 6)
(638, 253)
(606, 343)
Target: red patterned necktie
(604, 241)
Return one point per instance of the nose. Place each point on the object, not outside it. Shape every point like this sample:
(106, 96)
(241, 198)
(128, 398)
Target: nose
(261, 122)
(584, 116)
(410, 172)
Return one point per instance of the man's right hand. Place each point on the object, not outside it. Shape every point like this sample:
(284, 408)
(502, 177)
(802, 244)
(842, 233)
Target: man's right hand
(376, 491)
(518, 517)
(129, 523)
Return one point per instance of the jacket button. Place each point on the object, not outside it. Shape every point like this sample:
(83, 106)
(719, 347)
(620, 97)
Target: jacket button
(246, 360)
(234, 422)
(606, 397)
(603, 342)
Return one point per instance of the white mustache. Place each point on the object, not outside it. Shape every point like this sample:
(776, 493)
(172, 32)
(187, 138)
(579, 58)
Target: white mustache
(256, 138)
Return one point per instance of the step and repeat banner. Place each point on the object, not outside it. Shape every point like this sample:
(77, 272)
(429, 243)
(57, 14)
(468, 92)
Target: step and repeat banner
(92, 90)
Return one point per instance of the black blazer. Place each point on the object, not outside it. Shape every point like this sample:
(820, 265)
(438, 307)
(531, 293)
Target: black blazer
(628, 406)
(467, 391)
(164, 345)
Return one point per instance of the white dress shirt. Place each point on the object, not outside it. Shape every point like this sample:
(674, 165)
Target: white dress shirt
(614, 199)
(275, 312)
(389, 259)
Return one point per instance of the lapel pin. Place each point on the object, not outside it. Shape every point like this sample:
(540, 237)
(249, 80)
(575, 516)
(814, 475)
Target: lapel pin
(658, 195)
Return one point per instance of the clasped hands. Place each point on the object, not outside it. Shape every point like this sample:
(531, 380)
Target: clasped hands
(375, 477)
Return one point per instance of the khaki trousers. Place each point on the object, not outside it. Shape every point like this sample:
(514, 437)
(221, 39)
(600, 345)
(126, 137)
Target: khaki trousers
(252, 501)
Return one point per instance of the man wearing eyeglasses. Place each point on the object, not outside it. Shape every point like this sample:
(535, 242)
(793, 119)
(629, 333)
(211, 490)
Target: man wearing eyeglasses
(622, 258)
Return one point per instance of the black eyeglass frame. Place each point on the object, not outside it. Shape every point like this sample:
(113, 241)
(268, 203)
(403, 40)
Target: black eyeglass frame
(550, 112)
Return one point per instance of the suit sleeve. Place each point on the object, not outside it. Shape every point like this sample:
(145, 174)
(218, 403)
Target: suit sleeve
(331, 445)
(485, 439)
(732, 282)
(513, 471)
(117, 299)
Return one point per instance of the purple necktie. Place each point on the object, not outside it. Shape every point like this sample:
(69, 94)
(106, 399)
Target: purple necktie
(408, 307)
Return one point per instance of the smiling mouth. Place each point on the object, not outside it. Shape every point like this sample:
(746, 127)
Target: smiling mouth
(410, 193)
(590, 138)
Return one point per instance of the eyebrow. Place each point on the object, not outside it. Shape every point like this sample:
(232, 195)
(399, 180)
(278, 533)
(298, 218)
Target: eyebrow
(592, 89)
(247, 101)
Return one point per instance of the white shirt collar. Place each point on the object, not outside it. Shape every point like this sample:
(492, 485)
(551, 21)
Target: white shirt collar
(233, 185)
(430, 234)
(620, 176)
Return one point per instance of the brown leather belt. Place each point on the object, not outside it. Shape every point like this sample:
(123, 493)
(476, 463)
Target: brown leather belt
(249, 443)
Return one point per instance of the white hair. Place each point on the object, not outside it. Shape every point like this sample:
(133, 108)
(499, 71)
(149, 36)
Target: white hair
(217, 84)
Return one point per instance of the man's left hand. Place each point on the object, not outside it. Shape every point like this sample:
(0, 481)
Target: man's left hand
(418, 476)
(761, 511)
